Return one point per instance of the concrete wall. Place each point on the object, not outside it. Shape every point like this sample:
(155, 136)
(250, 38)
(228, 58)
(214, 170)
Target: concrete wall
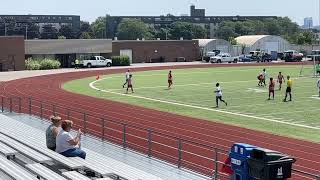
(151, 51)
(12, 53)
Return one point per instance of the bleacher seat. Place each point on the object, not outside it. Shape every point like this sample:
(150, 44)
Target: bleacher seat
(74, 175)
(7, 151)
(44, 172)
(35, 138)
(15, 171)
(28, 152)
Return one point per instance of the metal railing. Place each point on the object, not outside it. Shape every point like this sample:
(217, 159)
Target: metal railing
(184, 153)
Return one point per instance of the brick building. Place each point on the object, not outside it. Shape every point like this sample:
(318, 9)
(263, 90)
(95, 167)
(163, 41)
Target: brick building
(157, 51)
(197, 17)
(12, 53)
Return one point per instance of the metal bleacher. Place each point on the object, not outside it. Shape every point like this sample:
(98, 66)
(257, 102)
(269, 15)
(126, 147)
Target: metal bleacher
(31, 143)
(7, 151)
(44, 172)
(14, 171)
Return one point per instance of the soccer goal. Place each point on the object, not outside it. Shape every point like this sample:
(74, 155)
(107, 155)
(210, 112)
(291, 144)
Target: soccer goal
(309, 68)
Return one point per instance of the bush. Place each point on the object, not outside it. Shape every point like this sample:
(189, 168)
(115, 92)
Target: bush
(32, 64)
(43, 64)
(120, 61)
(49, 64)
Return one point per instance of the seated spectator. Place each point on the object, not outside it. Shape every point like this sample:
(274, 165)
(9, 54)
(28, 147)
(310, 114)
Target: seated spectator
(67, 145)
(52, 132)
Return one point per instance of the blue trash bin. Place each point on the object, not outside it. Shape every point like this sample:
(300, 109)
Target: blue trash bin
(239, 155)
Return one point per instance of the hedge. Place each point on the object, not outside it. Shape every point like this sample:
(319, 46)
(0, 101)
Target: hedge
(120, 61)
(43, 64)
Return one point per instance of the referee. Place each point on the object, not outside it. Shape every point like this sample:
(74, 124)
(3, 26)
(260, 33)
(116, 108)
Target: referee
(289, 89)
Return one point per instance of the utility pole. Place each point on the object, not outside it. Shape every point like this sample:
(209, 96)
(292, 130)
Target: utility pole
(26, 31)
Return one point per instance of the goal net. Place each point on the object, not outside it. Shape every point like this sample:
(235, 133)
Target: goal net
(309, 68)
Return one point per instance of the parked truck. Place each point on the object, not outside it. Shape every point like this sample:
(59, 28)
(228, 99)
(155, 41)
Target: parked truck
(96, 61)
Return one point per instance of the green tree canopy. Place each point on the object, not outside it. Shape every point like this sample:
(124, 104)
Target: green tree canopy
(99, 28)
(67, 32)
(49, 32)
(187, 31)
(132, 29)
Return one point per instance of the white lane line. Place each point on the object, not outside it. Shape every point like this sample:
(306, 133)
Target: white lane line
(198, 107)
(183, 85)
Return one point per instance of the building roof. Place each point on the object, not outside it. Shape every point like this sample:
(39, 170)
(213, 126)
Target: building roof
(204, 42)
(68, 46)
(250, 40)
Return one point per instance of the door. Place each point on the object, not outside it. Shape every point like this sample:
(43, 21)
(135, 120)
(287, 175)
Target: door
(126, 52)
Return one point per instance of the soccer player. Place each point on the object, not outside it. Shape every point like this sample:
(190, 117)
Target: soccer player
(318, 69)
(126, 77)
(280, 80)
(289, 89)
(271, 89)
(260, 78)
(170, 78)
(129, 84)
(264, 75)
(218, 92)
(318, 84)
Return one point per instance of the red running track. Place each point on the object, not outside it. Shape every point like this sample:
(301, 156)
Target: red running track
(47, 88)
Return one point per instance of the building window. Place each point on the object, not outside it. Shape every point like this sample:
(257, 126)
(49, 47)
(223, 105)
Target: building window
(70, 18)
(197, 19)
(54, 18)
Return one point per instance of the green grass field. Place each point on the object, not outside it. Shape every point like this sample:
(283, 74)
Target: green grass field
(193, 95)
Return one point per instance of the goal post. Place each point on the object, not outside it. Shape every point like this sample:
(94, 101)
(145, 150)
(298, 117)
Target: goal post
(308, 69)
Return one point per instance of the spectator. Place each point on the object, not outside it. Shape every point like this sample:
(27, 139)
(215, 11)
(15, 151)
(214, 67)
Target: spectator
(67, 145)
(52, 132)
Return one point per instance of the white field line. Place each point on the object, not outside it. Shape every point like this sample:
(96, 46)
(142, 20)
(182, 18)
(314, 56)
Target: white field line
(198, 107)
(183, 85)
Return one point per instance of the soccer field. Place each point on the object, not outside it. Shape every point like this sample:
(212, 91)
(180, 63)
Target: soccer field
(193, 95)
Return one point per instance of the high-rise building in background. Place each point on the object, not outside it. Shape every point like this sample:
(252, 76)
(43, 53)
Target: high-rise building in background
(308, 23)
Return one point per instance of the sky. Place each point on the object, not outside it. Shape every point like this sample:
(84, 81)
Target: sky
(297, 10)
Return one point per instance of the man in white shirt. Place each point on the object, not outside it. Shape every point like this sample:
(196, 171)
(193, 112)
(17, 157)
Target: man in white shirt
(218, 92)
(264, 76)
(126, 78)
(318, 85)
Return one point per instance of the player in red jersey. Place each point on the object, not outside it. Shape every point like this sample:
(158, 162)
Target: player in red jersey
(129, 84)
(260, 78)
(170, 78)
(280, 80)
(271, 88)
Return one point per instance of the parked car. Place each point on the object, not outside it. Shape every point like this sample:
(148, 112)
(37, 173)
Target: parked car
(315, 54)
(208, 55)
(96, 61)
(245, 58)
(224, 57)
(292, 56)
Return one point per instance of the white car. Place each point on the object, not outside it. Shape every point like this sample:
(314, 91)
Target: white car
(224, 57)
(96, 61)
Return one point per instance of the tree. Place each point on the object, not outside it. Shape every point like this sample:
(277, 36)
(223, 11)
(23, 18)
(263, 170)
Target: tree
(98, 28)
(163, 33)
(233, 41)
(225, 32)
(67, 32)
(187, 31)
(49, 32)
(85, 35)
(33, 31)
(132, 29)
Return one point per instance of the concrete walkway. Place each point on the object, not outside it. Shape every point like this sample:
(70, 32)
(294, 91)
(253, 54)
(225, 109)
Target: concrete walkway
(13, 75)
